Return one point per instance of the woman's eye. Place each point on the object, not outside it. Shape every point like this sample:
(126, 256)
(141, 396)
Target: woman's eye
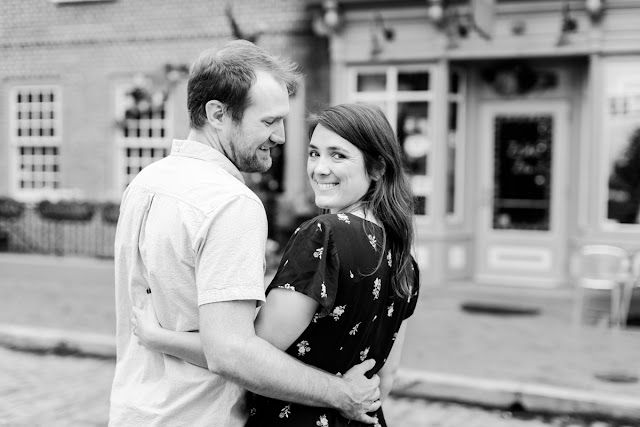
(313, 154)
(339, 156)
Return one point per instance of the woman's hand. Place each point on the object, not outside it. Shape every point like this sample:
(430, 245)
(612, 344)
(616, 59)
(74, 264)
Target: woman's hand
(145, 324)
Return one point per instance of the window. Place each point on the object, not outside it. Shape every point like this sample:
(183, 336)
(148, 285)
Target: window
(35, 129)
(620, 143)
(455, 145)
(142, 136)
(405, 95)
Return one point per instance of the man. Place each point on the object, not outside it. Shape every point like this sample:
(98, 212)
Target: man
(191, 233)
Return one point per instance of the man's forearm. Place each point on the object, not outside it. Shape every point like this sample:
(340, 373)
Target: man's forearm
(263, 369)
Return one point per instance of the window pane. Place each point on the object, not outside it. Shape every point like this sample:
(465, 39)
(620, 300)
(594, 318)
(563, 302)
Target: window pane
(454, 82)
(413, 133)
(412, 81)
(452, 138)
(372, 82)
(522, 172)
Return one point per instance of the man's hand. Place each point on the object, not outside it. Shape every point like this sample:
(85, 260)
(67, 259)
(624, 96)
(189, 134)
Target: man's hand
(363, 393)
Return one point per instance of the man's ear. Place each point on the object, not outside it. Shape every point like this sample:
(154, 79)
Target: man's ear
(215, 113)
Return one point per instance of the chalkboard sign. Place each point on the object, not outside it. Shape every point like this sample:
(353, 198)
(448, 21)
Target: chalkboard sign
(522, 172)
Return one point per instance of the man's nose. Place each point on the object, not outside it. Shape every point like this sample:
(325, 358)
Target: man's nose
(278, 137)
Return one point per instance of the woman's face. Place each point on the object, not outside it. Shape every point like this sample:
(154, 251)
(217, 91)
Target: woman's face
(336, 171)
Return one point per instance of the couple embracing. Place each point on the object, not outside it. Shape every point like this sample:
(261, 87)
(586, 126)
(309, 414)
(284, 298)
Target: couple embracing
(190, 262)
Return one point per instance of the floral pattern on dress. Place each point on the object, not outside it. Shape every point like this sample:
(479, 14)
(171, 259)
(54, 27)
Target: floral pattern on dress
(377, 284)
(322, 421)
(339, 246)
(284, 412)
(372, 240)
(303, 348)
(354, 330)
(343, 217)
(337, 312)
(287, 286)
(364, 353)
(376, 422)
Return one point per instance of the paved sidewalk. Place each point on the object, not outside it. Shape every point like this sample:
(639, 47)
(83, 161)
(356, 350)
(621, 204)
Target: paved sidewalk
(533, 358)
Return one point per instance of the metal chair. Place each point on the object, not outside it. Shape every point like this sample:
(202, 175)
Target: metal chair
(633, 284)
(601, 268)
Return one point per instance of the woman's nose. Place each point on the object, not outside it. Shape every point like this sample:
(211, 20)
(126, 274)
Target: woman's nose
(321, 167)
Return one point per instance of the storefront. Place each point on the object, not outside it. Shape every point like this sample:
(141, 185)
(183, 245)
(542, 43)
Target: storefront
(517, 121)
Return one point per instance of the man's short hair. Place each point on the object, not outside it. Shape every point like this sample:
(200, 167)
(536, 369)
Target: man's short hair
(227, 74)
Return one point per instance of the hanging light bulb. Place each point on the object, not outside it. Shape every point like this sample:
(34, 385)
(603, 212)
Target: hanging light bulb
(594, 8)
(435, 11)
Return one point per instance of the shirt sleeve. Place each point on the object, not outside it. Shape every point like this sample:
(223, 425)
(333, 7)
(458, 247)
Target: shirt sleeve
(310, 265)
(230, 252)
(415, 290)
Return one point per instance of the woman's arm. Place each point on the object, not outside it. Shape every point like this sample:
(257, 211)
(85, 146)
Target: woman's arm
(390, 369)
(183, 345)
(281, 320)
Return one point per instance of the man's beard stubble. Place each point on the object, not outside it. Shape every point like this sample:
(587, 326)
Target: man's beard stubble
(246, 161)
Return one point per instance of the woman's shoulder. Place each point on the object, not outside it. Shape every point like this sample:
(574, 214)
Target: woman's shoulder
(331, 221)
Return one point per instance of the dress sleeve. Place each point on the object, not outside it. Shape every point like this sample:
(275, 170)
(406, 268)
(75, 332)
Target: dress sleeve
(310, 265)
(415, 290)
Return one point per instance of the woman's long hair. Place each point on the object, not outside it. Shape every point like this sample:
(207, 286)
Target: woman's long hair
(389, 198)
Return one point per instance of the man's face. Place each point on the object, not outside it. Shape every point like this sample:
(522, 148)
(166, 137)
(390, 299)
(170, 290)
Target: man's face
(262, 125)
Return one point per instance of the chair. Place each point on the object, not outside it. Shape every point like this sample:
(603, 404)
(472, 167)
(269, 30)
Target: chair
(601, 268)
(633, 283)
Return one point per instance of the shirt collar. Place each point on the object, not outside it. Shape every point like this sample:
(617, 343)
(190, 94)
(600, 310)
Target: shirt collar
(196, 150)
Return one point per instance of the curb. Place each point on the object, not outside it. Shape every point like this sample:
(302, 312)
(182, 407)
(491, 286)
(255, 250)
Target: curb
(409, 383)
(57, 341)
(506, 394)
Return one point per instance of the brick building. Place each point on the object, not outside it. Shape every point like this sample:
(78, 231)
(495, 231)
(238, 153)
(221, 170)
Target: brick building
(71, 125)
(517, 117)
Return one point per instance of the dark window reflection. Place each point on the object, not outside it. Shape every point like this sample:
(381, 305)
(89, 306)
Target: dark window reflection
(522, 172)
(624, 183)
(412, 81)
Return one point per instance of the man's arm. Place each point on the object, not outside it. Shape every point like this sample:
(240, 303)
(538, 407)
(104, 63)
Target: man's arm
(233, 350)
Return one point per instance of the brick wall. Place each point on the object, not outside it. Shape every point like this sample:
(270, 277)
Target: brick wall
(87, 48)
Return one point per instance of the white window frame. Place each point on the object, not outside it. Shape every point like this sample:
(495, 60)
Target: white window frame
(123, 143)
(620, 79)
(460, 99)
(53, 178)
(390, 97)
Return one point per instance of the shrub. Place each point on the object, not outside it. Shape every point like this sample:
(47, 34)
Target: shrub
(110, 212)
(66, 210)
(10, 209)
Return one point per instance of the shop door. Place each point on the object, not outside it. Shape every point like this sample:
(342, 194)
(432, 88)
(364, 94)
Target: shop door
(521, 229)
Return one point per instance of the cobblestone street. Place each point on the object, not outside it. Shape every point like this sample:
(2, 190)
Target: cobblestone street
(51, 390)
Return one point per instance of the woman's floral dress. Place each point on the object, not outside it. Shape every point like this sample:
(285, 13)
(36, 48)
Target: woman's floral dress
(330, 259)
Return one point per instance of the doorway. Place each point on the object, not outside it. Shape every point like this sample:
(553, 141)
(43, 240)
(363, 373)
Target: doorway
(522, 194)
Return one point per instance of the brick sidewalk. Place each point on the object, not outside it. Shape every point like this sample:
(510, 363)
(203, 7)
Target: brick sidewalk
(537, 359)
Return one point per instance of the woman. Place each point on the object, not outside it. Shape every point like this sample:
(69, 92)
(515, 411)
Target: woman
(346, 281)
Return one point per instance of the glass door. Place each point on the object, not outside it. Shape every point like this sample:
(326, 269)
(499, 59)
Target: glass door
(522, 203)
